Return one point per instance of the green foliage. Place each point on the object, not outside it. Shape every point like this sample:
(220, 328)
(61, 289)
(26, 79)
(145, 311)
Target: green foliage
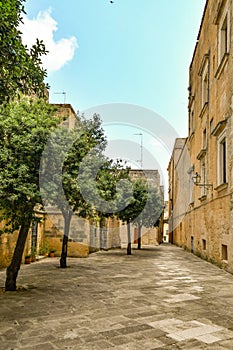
(44, 248)
(146, 205)
(24, 130)
(61, 162)
(33, 252)
(101, 180)
(137, 202)
(77, 177)
(150, 215)
(20, 68)
(111, 178)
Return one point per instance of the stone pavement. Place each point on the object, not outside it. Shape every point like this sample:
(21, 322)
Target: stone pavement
(158, 298)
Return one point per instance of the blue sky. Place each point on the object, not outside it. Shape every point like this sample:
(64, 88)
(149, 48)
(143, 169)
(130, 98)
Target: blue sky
(130, 52)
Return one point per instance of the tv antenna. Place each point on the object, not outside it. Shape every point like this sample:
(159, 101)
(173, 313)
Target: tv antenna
(141, 148)
(61, 93)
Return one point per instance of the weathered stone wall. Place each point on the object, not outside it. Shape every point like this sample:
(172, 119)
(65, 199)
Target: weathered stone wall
(8, 243)
(79, 235)
(113, 227)
(205, 227)
(150, 236)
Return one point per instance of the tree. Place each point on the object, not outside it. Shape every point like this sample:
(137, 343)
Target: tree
(20, 68)
(24, 130)
(65, 154)
(141, 197)
(101, 180)
(152, 203)
(111, 176)
(135, 206)
(145, 208)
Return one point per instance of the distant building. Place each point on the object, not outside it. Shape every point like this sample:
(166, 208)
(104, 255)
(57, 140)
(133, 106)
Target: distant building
(66, 110)
(152, 235)
(165, 223)
(152, 177)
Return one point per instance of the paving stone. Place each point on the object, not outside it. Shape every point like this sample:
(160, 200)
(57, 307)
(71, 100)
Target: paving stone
(158, 298)
(208, 338)
(166, 340)
(151, 333)
(40, 338)
(8, 345)
(119, 340)
(227, 344)
(40, 346)
(110, 334)
(134, 329)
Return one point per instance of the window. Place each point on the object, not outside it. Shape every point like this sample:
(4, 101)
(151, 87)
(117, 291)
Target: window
(192, 244)
(205, 85)
(203, 177)
(180, 232)
(224, 252)
(191, 122)
(222, 159)
(223, 38)
(191, 189)
(222, 20)
(204, 244)
(191, 184)
(191, 117)
(204, 139)
(211, 125)
(34, 231)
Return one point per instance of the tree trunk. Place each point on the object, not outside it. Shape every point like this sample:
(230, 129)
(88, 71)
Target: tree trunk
(139, 236)
(129, 238)
(67, 219)
(103, 234)
(14, 267)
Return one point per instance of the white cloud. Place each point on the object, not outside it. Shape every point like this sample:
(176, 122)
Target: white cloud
(43, 27)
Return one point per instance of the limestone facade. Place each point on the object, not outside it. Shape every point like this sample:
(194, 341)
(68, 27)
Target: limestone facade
(152, 235)
(84, 236)
(201, 169)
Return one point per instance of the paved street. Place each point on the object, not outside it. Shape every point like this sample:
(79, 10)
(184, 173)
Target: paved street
(158, 298)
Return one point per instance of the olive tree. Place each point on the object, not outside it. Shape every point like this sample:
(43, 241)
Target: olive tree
(20, 67)
(25, 127)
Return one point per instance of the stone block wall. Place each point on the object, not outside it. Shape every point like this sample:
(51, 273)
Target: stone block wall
(79, 236)
(205, 225)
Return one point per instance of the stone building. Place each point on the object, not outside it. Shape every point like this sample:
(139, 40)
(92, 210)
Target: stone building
(78, 245)
(201, 166)
(152, 235)
(84, 236)
(34, 241)
(46, 233)
(165, 223)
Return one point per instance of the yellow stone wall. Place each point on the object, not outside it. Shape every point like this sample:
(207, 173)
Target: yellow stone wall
(204, 224)
(150, 236)
(78, 244)
(8, 242)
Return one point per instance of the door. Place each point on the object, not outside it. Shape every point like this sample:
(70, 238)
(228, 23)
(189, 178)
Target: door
(192, 244)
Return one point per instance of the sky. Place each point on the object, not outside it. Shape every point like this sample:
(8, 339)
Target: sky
(130, 55)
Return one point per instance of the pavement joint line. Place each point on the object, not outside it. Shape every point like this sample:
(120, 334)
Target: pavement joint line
(160, 298)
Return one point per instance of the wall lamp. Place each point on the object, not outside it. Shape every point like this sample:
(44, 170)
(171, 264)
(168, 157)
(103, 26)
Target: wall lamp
(197, 181)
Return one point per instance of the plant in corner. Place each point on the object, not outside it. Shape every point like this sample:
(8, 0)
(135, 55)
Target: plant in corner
(52, 253)
(33, 254)
(27, 259)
